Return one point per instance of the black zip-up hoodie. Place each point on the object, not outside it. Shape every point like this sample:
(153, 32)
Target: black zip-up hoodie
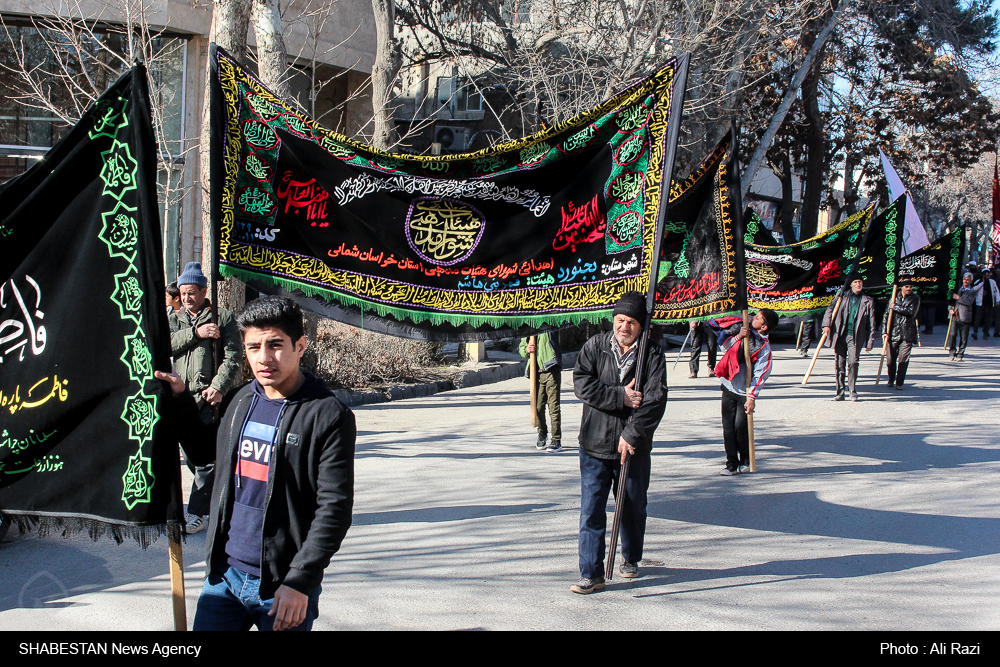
(310, 491)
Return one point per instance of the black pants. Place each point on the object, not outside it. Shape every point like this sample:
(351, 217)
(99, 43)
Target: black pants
(703, 337)
(898, 354)
(984, 319)
(735, 429)
(200, 500)
(959, 338)
(848, 357)
(808, 334)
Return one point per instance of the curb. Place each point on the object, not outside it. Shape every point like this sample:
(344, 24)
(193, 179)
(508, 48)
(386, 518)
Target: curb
(498, 372)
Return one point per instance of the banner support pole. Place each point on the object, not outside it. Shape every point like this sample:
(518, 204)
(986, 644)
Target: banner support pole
(947, 336)
(746, 352)
(673, 132)
(681, 351)
(887, 333)
(533, 378)
(798, 341)
(176, 557)
(822, 341)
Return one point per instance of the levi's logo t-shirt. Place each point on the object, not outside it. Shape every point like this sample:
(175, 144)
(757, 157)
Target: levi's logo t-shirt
(252, 470)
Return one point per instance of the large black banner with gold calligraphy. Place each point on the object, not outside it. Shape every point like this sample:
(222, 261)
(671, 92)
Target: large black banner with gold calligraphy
(804, 278)
(935, 270)
(84, 439)
(529, 234)
(698, 273)
(882, 247)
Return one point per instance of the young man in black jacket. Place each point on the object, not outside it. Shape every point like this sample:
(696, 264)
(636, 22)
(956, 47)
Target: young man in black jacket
(284, 447)
(604, 380)
(900, 336)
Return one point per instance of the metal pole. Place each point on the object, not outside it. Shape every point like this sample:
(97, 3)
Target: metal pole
(686, 339)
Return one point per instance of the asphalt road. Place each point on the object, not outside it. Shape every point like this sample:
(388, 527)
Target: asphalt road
(881, 514)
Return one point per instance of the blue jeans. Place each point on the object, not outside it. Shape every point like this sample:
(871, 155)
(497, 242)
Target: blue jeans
(597, 478)
(230, 602)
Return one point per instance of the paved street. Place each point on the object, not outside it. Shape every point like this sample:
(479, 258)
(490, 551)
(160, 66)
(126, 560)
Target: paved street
(881, 514)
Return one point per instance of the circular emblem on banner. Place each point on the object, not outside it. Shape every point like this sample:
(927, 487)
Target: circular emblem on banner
(625, 227)
(443, 231)
(761, 275)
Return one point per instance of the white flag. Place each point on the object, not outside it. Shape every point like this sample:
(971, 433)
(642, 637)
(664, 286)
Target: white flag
(914, 235)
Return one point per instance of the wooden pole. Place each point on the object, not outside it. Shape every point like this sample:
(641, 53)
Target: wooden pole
(919, 344)
(533, 375)
(798, 341)
(176, 555)
(822, 341)
(947, 336)
(888, 330)
(746, 352)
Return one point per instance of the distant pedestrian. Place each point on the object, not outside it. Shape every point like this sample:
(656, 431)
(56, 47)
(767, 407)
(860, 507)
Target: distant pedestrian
(961, 314)
(901, 335)
(619, 417)
(852, 328)
(173, 298)
(702, 337)
(548, 357)
(986, 304)
(737, 400)
(809, 329)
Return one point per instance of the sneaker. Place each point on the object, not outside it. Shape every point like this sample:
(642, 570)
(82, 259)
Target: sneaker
(743, 468)
(838, 397)
(729, 472)
(628, 570)
(585, 585)
(854, 396)
(554, 446)
(194, 523)
(541, 442)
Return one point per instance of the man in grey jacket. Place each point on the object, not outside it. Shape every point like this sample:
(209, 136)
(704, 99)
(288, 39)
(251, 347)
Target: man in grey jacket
(619, 416)
(193, 336)
(852, 327)
(961, 314)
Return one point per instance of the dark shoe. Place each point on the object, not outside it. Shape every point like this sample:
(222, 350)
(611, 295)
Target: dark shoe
(729, 472)
(838, 397)
(958, 358)
(554, 446)
(586, 586)
(541, 442)
(899, 387)
(854, 396)
(951, 358)
(985, 336)
(974, 337)
(628, 570)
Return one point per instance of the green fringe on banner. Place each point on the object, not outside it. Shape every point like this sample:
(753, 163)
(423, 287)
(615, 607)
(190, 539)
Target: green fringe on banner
(417, 316)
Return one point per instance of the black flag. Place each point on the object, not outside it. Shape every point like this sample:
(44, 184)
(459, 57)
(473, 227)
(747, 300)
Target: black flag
(83, 439)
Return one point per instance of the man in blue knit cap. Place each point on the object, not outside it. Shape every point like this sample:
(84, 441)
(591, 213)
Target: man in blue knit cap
(193, 336)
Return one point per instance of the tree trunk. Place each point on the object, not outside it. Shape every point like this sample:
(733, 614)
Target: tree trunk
(230, 23)
(272, 56)
(815, 145)
(787, 200)
(786, 103)
(388, 58)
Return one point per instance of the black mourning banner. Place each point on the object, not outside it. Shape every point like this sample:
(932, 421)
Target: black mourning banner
(804, 278)
(699, 272)
(530, 234)
(935, 269)
(84, 443)
(756, 233)
(882, 247)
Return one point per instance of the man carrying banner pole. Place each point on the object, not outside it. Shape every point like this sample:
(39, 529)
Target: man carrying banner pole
(899, 331)
(848, 329)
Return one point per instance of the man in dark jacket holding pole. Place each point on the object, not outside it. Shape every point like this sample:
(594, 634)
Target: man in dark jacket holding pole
(619, 416)
(901, 334)
(851, 328)
(284, 447)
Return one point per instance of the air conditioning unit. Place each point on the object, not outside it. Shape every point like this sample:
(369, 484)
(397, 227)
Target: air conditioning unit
(451, 138)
